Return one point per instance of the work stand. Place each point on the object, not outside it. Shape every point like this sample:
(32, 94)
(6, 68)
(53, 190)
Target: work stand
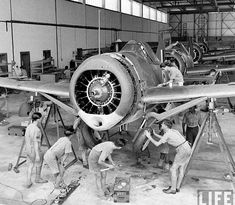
(211, 126)
(53, 111)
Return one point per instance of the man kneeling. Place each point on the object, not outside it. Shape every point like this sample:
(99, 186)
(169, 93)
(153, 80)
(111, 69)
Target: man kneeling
(56, 156)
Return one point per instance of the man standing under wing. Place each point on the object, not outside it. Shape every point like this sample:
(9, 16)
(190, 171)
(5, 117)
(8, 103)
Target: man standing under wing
(33, 149)
(190, 125)
(183, 151)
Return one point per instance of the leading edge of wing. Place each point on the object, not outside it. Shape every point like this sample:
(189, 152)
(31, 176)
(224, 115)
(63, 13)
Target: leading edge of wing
(181, 93)
(58, 89)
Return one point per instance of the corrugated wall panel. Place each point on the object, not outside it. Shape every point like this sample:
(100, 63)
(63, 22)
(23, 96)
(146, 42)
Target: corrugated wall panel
(125, 35)
(67, 38)
(146, 25)
(92, 38)
(127, 22)
(5, 11)
(74, 22)
(5, 45)
(34, 10)
(92, 16)
(70, 13)
(36, 39)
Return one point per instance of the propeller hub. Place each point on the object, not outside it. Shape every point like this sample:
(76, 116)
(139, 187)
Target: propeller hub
(98, 93)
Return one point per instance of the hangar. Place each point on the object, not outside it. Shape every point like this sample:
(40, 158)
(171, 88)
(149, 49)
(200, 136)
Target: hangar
(117, 101)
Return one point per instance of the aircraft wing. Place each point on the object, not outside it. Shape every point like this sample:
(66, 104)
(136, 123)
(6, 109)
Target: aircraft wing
(206, 69)
(58, 89)
(180, 93)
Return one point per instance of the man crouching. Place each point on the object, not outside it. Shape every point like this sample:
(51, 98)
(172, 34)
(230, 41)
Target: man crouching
(56, 156)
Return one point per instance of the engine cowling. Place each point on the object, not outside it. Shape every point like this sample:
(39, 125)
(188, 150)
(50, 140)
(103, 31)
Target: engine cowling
(106, 89)
(96, 90)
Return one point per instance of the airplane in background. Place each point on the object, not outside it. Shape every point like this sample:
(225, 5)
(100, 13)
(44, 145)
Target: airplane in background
(117, 88)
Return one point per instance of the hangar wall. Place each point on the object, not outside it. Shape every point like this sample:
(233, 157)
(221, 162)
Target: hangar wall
(63, 26)
(212, 24)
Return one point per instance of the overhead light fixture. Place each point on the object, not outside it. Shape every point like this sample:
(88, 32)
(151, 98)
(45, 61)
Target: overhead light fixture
(191, 9)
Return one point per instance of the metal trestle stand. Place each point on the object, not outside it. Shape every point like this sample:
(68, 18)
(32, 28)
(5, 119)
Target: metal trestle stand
(56, 113)
(210, 124)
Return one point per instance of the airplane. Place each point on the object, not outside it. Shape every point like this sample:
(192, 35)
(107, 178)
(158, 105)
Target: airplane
(113, 89)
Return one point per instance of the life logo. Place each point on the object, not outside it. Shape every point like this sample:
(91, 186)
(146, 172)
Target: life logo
(215, 197)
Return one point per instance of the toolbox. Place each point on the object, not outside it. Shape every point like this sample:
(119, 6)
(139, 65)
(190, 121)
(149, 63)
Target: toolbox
(17, 130)
(122, 190)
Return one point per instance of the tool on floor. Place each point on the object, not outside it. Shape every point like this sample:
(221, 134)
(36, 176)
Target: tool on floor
(16, 130)
(122, 190)
(117, 166)
(211, 126)
(65, 192)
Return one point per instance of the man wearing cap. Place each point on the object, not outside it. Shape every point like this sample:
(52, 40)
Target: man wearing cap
(56, 156)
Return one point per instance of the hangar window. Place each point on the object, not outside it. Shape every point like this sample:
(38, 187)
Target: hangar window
(98, 3)
(146, 11)
(79, 1)
(164, 17)
(112, 5)
(126, 6)
(159, 16)
(136, 9)
(153, 14)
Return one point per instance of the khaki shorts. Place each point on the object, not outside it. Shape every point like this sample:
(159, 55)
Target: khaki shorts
(93, 159)
(51, 161)
(182, 155)
(31, 158)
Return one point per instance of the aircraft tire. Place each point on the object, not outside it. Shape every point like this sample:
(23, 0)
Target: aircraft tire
(139, 142)
(178, 58)
(197, 51)
(87, 134)
(188, 61)
(204, 47)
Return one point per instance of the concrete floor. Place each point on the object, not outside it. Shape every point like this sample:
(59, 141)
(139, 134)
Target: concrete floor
(146, 183)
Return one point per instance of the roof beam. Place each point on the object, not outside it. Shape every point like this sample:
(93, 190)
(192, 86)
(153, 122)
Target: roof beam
(199, 11)
(194, 5)
(233, 2)
(152, 1)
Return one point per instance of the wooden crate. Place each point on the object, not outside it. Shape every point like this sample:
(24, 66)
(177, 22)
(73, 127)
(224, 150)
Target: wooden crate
(122, 190)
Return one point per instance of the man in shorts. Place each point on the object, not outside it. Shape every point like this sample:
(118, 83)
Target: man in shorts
(192, 120)
(97, 163)
(56, 156)
(183, 151)
(33, 149)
